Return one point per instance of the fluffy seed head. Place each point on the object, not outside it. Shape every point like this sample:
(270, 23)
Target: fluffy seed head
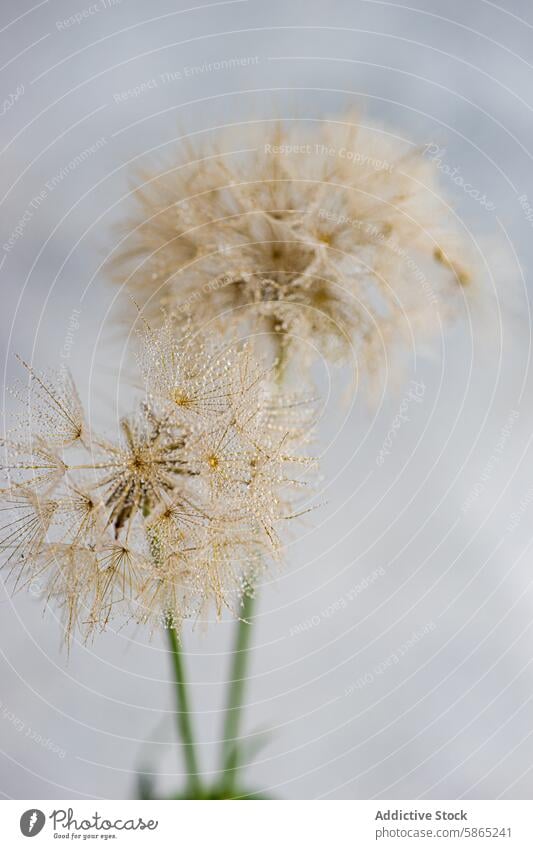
(176, 514)
(333, 238)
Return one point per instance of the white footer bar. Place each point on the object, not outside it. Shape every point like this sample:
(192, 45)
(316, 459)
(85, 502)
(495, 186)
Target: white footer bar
(268, 824)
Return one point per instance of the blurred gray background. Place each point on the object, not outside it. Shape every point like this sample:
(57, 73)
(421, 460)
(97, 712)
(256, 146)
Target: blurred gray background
(420, 684)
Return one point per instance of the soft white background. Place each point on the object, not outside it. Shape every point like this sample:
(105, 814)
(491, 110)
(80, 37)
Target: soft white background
(453, 717)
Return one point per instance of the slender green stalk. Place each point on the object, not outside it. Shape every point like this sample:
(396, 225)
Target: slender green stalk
(183, 715)
(237, 682)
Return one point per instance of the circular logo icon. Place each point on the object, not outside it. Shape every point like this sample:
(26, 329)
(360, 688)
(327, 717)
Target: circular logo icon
(32, 822)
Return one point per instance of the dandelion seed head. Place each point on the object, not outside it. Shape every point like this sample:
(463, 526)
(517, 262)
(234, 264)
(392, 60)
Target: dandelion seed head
(172, 517)
(334, 240)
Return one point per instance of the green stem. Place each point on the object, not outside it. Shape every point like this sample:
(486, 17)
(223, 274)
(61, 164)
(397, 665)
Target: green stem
(183, 715)
(238, 675)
